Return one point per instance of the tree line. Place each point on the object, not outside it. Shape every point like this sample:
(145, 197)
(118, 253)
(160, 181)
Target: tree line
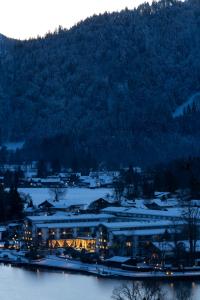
(109, 86)
(11, 204)
(181, 174)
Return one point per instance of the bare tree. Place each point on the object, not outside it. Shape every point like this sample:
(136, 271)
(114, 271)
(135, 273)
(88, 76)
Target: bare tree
(57, 193)
(191, 216)
(183, 292)
(177, 232)
(138, 291)
(118, 189)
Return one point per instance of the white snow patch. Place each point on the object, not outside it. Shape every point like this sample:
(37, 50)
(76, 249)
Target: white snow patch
(73, 196)
(14, 146)
(180, 109)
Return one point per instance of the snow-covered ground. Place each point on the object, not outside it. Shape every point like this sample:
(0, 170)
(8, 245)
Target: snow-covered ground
(102, 270)
(72, 196)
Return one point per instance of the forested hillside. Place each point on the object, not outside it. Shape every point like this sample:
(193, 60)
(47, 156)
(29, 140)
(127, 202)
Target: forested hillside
(107, 88)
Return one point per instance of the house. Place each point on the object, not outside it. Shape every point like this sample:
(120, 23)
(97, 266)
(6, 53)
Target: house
(119, 261)
(76, 208)
(154, 206)
(168, 248)
(46, 205)
(162, 195)
(99, 204)
(47, 182)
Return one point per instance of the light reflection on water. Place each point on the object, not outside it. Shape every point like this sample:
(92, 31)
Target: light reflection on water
(22, 284)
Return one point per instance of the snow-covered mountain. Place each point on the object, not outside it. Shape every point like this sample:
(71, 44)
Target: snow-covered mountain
(107, 87)
(2, 37)
(5, 44)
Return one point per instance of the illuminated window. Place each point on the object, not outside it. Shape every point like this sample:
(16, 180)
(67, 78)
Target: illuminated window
(128, 244)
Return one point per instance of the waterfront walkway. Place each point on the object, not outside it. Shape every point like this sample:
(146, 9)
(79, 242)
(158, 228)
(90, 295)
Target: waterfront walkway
(61, 263)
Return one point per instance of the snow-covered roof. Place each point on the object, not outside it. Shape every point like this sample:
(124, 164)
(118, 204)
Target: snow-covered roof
(119, 259)
(2, 228)
(169, 246)
(140, 232)
(68, 218)
(97, 179)
(139, 203)
(170, 213)
(167, 203)
(136, 224)
(123, 232)
(67, 225)
(74, 196)
(154, 231)
(13, 224)
(160, 194)
(46, 180)
(29, 209)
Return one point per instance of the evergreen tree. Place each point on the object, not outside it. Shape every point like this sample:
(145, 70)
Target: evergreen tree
(16, 204)
(101, 89)
(4, 205)
(41, 169)
(56, 167)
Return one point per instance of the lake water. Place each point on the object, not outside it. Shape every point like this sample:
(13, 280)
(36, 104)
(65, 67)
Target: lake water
(22, 284)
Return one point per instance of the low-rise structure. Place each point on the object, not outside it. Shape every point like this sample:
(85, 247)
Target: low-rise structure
(106, 233)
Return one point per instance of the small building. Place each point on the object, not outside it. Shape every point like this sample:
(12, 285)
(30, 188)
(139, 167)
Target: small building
(119, 261)
(46, 205)
(99, 204)
(47, 182)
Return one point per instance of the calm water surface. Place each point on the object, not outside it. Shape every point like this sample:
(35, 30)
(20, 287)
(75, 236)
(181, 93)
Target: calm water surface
(22, 284)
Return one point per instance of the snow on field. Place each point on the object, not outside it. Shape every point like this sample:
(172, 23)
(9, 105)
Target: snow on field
(72, 196)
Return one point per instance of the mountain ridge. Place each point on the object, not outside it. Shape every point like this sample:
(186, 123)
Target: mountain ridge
(110, 84)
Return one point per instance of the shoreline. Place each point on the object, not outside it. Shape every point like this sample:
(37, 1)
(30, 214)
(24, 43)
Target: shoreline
(60, 264)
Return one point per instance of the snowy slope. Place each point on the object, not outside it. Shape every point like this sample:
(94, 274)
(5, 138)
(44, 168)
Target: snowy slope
(180, 109)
